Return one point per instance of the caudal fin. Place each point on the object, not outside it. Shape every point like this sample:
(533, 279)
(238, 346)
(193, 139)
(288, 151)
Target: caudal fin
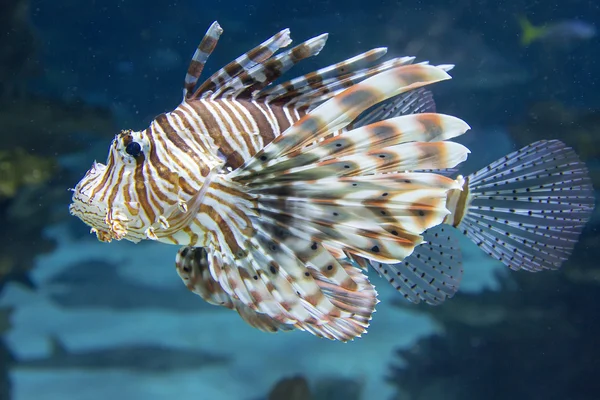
(528, 208)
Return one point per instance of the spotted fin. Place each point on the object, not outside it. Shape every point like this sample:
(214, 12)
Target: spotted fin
(414, 102)
(279, 221)
(407, 143)
(528, 208)
(359, 302)
(340, 191)
(313, 95)
(338, 298)
(340, 111)
(251, 75)
(271, 271)
(333, 87)
(193, 268)
(432, 273)
(349, 297)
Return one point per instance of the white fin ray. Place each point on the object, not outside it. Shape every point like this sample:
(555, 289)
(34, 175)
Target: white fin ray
(340, 111)
(302, 84)
(366, 141)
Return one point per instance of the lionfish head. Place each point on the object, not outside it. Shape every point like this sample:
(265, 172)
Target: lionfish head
(108, 197)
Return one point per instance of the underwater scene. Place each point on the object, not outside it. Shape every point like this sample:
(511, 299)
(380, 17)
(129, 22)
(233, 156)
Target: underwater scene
(299, 200)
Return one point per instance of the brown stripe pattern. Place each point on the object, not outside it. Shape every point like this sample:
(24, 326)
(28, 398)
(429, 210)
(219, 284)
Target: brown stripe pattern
(276, 195)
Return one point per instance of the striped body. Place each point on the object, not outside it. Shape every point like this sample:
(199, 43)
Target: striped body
(182, 147)
(238, 127)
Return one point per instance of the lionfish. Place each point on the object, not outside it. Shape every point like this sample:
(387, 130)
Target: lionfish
(282, 195)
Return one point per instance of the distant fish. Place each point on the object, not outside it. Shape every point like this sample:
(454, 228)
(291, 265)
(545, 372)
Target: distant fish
(135, 357)
(560, 33)
(279, 193)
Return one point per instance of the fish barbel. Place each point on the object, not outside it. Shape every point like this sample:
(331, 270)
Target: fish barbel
(281, 194)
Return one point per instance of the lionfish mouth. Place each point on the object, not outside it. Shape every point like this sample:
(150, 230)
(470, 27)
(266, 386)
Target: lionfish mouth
(106, 224)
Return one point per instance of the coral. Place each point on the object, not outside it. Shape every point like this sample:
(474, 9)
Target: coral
(534, 338)
(19, 169)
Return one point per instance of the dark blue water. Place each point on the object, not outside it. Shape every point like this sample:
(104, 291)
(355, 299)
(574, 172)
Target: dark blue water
(87, 320)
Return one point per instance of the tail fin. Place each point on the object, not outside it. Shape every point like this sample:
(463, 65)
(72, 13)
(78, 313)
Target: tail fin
(529, 208)
(529, 32)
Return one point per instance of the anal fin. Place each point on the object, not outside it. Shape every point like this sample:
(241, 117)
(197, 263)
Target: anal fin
(432, 273)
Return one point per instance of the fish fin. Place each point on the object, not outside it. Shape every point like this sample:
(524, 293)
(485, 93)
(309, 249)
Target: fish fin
(449, 172)
(263, 74)
(335, 191)
(193, 268)
(191, 264)
(339, 299)
(360, 302)
(528, 208)
(204, 50)
(220, 80)
(406, 143)
(413, 102)
(339, 112)
(375, 217)
(529, 32)
(432, 273)
(311, 90)
(273, 272)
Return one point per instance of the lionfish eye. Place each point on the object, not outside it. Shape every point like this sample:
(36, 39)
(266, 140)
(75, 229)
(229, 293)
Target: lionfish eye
(133, 149)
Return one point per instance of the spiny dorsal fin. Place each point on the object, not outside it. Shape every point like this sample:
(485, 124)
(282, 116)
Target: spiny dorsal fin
(204, 50)
(243, 63)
